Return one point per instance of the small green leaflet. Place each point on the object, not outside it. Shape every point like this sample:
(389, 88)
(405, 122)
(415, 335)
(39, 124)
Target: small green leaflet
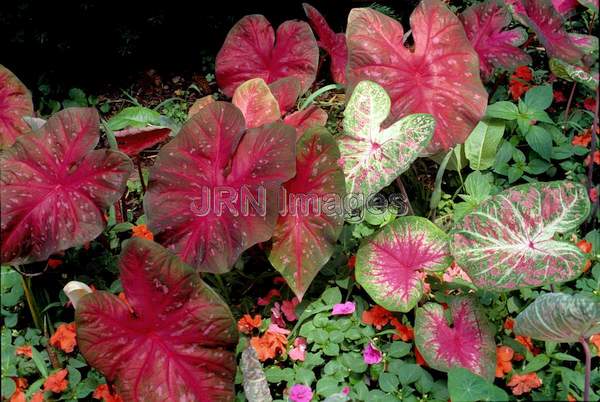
(482, 143)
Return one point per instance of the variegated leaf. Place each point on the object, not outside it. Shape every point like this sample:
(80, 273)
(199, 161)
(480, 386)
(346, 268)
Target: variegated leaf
(508, 241)
(390, 266)
(373, 157)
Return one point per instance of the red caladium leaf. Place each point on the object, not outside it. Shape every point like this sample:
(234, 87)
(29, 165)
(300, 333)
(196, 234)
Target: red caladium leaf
(484, 24)
(307, 231)
(214, 159)
(302, 120)
(440, 77)
(252, 50)
(55, 187)
(15, 103)
(287, 91)
(508, 242)
(467, 341)
(134, 140)
(176, 345)
(333, 43)
(391, 266)
(256, 102)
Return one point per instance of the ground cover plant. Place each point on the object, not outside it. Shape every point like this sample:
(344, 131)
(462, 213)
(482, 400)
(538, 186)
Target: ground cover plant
(374, 212)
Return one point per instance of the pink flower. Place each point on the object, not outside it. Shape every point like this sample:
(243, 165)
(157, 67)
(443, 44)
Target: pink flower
(264, 301)
(343, 308)
(371, 355)
(288, 307)
(346, 390)
(278, 330)
(298, 352)
(300, 393)
(276, 315)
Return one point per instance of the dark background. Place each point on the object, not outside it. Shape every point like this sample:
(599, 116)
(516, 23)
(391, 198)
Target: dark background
(91, 44)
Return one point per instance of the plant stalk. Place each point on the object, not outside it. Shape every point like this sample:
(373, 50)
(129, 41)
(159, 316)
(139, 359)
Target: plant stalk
(139, 166)
(568, 109)
(33, 309)
(588, 368)
(592, 150)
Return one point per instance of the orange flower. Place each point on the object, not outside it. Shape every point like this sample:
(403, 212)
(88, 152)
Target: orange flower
(20, 384)
(65, 337)
(584, 246)
(247, 323)
(377, 316)
(24, 351)
(143, 232)
(517, 88)
(103, 392)
(419, 357)
(571, 398)
(524, 73)
(405, 333)
(509, 323)
(526, 341)
(522, 384)
(595, 339)
(57, 382)
(37, 397)
(504, 355)
(54, 262)
(595, 157)
(271, 343)
(583, 140)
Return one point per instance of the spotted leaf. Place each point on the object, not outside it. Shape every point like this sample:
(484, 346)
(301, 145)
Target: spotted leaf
(307, 230)
(391, 266)
(440, 76)
(373, 157)
(287, 91)
(508, 242)
(466, 341)
(558, 317)
(15, 103)
(256, 102)
(565, 7)
(56, 187)
(302, 120)
(173, 340)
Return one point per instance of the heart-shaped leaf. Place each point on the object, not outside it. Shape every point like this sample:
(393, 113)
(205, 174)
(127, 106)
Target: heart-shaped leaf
(302, 120)
(390, 266)
(56, 187)
(213, 189)
(172, 341)
(467, 341)
(485, 25)
(256, 102)
(307, 230)
(15, 103)
(134, 140)
(440, 77)
(558, 317)
(508, 242)
(252, 50)
(333, 43)
(287, 91)
(373, 157)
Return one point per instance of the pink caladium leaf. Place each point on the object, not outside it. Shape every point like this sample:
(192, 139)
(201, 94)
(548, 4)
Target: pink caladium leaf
(56, 187)
(390, 266)
(308, 228)
(287, 91)
(508, 242)
(302, 120)
(173, 340)
(134, 140)
(256, 102)
(373, 157)
(565, 7)
(15, 103)
(213, 189)
(333, 43)
(252, 50)
(485, 25)
(467, 341)
(440, 76)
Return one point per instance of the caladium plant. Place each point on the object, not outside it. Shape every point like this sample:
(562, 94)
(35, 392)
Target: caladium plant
(307, 231)
(253, 50)
(134, 140)
(201, 180)
(56, 187)
(466, 341)
(439, 76)
(391, 266)
(485, 25)
(508, 242)
(373, 157)
(172, 340)
(15, 103)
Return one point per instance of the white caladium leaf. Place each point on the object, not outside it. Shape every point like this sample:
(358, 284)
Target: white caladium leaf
(390, 266)
(373, 157)
(467, 341)
(508, 242)
(558, 317)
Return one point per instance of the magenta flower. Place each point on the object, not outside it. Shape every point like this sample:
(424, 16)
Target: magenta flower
(343, 308)
(371, 355)
(300, 393)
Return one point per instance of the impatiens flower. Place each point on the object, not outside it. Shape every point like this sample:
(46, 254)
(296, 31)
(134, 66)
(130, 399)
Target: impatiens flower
(584, 246)
(559, 96)
(523, 73)
(371, 355)
(271, 343)
(528, 343)
(593, 194)
(277, 315)
(104, 393)
(595, 157)
(583, 140)
(37, 397)
(247, 323)
(300, 393)
(57, 382)
(65, 338)
(517, 88)
(54, 262)
(455, 272)
(343, 308)
(20, 386)
(509, 323)
(143, 232)
(595, 340)
(298, 352)
(504, 355)
(288, 308)
(24, 351)
(590, 104)
(522, 384)
(265, 301)
(405, 333)
(377, 316)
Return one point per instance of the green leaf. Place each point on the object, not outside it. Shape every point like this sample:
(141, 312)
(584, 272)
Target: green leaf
(135, 116)
(502, 110)
(8, 387)
(399, 349)
(564, 357)
(39, 362)
(332, 296)
(539, 97)
(536, 363)
(465, 386)
(327, 386)
(388, 382)
(482, 143)
(540, 141)
(478, 186)
(514, 173)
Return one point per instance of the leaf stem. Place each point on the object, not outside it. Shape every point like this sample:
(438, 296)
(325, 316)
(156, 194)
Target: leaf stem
(33, 309)
(568, 109)
(593, 143)
(139, 167)
(405, 195)
(588, 368)
(318, 93)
